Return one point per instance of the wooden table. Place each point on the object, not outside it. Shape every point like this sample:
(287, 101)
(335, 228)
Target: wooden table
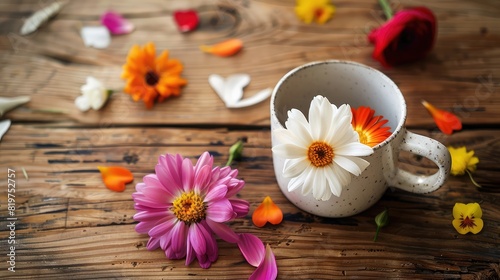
(70, 226)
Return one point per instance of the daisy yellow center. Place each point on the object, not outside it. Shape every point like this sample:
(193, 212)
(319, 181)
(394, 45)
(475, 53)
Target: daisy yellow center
(189, 208)
(151, 78)
(320, 154)
(467, 222)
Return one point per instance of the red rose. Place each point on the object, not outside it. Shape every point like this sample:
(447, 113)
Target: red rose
(406, 37)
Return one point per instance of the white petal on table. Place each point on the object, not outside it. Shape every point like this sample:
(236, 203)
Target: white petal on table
(9, 103)
(96, 36)
(230, 90)
(252, 100)
(4, 126)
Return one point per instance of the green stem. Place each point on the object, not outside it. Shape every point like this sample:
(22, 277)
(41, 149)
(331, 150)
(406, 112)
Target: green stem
(376, 234)
(472, 179)
(386, 7)
(230, 160)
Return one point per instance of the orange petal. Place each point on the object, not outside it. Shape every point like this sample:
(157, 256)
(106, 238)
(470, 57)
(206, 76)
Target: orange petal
(446, 121)
(267, 212)
(225, 48)
(115, 177)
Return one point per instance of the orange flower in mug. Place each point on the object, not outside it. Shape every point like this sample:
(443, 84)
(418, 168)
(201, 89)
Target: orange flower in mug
(150, 78)
(314, 10)
(467, 218)
(370, 128)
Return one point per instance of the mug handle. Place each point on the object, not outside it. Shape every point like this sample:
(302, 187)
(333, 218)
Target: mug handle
(431, 149)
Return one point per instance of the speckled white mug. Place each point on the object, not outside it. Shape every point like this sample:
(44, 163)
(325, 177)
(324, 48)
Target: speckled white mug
(344, 82)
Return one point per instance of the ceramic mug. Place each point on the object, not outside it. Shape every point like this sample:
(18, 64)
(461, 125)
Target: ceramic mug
(344, 82)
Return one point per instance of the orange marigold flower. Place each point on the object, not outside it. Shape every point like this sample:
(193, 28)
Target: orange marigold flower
(371, 130)
(115, 177)
(446, 121)
(267, 212)
(150, 78)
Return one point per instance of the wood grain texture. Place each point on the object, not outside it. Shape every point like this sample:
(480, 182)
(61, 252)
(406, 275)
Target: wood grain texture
(459, 75)
(71, 226)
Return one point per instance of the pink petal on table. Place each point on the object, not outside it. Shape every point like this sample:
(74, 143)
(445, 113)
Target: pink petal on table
(267, 269)
(187, 20)
(252, 249)
(116, 23)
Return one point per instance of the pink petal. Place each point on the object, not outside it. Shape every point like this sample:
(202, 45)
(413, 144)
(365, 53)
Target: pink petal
(220, 211)
(223, 231)
(163, 227)
(191, 255)
(252, 248)
(187, 20)
(153, 243)
(235, 185)
(240, 207)
(152, 180)
(179, 238)
(187, 175)
(197, 239)
(144, 227)
(205, 160)
(216, 193)
(202, 178)
(169, 178)
(150, 215)
(116, 23)
(267, 269)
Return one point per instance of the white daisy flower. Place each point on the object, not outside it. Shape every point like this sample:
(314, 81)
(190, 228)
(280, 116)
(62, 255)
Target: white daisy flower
(320, 154)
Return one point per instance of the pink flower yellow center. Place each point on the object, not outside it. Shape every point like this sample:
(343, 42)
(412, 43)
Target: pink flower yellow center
(467, 222)
(189, 208)
(320, 154)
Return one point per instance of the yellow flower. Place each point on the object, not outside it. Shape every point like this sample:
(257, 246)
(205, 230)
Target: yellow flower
(152, 78)
(467, 218)
(318, 10)
(461, 161)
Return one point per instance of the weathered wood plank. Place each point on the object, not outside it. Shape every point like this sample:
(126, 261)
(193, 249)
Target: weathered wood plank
(64, 208)
(459, 77)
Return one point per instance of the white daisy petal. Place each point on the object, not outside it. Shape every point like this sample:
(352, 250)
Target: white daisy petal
(284, 135)
(361, 163)
(300, 132)
(295, 183)
(344, 176)
(347, 164)
(333, 181)
(308, 181)
(319, 187)
(289, 151)
(294, 167)
(315, 117)
(354, 149)
(299, 117)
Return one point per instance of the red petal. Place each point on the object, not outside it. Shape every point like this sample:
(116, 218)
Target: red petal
(187, 20)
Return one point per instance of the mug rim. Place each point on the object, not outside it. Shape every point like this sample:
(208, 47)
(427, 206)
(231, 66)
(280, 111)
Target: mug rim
(401, 122)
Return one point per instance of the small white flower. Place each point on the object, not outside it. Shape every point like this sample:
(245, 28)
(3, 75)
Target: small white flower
(320, 154)
(94, 95)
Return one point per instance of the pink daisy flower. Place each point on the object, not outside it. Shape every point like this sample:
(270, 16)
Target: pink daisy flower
(183, 207)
